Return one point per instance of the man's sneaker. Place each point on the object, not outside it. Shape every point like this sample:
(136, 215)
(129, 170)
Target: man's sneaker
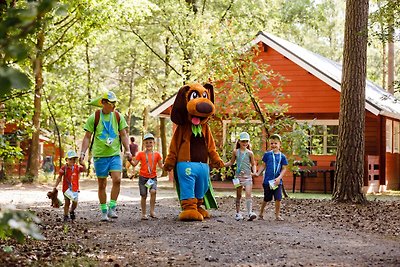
(112, 213)
(252, 216)
(104, 217)
(66, 218)
(238, 217)
(72, 215)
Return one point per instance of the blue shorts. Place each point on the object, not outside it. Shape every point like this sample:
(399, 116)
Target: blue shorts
(103, 166)
(268, 193)
(193, 179)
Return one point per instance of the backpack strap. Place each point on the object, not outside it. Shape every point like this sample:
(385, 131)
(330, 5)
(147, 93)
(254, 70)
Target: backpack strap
(119, 135)
(96, 122)
(117, 117)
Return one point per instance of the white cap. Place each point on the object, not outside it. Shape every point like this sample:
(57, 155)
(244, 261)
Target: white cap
(148, 136)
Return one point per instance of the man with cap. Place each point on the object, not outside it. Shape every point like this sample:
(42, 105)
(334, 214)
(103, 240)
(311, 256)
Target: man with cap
(109, 133)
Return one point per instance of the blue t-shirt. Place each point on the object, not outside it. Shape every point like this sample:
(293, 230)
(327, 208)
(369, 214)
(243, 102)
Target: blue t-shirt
(273, 170)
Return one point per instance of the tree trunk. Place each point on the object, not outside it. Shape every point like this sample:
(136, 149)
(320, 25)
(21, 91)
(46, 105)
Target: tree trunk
(163, 130)
(89, 72)
(350, 155)
(131, 92)
(390, 67)
(32, 169)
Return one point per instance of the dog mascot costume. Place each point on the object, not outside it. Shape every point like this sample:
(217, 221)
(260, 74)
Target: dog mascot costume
(192, 150)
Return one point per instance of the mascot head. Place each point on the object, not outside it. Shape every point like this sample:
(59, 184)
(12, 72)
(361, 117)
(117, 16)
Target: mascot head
(193, 104)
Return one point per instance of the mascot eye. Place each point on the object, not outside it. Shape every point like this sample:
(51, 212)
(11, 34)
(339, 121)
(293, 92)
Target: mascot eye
(205, 95)
(193, 95)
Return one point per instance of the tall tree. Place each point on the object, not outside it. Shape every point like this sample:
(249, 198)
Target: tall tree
(350, 154)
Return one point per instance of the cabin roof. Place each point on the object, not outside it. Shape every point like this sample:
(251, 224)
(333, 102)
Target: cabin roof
(377, 100)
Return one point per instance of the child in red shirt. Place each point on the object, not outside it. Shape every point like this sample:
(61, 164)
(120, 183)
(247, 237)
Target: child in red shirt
(69, 173)
(149, 160)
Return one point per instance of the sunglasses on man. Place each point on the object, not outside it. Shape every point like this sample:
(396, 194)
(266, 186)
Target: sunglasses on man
(110, 102)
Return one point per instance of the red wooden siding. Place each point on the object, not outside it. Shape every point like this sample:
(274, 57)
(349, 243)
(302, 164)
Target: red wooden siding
(307, 93)
(392, 171)
(372, 134)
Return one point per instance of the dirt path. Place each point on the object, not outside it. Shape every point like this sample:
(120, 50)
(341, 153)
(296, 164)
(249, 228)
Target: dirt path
(314, 233)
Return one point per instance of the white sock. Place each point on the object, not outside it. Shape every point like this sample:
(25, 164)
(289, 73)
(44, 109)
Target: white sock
(249, 205)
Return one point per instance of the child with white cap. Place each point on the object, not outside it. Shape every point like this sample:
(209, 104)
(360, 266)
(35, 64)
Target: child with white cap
(149, 160)
(245, 167)
(69, 173)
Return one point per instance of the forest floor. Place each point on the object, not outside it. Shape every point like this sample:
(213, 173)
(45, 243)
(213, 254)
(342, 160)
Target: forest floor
(315, 232)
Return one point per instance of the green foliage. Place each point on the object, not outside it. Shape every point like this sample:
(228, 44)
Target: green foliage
(384, 18)
(10, 153)
(16, 24)
(18, 224)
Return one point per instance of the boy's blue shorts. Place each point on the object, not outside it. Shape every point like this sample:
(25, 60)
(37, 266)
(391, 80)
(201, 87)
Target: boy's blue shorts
(268, 193)
(103, 166)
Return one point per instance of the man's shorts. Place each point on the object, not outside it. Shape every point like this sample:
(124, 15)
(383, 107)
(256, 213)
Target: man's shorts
(268, 193)
(103, 166)
(143, 188)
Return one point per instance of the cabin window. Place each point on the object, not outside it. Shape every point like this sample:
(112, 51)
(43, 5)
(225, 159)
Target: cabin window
(389, 135)
(323, 137)
(396, 137)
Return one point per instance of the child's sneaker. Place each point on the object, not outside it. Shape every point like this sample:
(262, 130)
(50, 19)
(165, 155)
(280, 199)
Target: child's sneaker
(112, 213)
(66, 218)
(104, 217)
(238, 217)
(72, 215)
(252, 216)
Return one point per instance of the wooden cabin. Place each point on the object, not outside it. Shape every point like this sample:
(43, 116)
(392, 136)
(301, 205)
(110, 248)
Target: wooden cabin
(48, 152)
(313, 83)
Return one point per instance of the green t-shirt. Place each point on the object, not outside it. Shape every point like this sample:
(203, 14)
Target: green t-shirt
(106, 140)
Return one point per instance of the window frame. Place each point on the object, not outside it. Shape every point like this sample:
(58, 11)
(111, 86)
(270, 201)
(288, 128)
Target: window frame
(316, 122)
(396, 137)
(389, 135)
(225, 140)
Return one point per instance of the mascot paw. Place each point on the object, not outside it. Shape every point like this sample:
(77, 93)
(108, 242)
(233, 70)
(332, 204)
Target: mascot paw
(190, 215)
(200, 209)
(189, 211)
(203, 212)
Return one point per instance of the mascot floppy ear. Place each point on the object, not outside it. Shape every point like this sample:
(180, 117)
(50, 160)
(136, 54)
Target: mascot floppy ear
(179, 113)
(210, 89)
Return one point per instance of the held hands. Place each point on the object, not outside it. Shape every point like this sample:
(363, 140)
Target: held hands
(128, 155)
(167, 167)
(82, 158)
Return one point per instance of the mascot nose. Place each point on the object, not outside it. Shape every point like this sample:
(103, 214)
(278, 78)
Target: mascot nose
(204, 107)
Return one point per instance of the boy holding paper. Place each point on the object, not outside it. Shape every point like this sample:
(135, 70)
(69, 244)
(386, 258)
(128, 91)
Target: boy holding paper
(149, 160)
(69, 174)
(275, 164)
